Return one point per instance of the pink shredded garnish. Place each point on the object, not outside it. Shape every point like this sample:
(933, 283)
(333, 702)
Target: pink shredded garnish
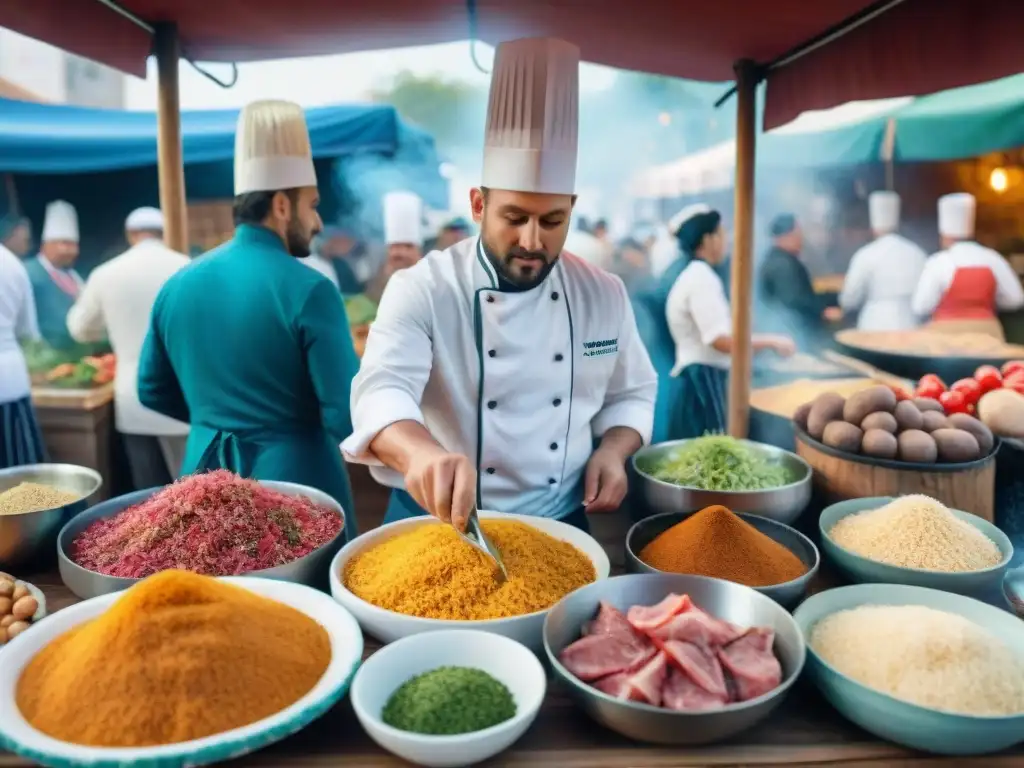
(217, 524)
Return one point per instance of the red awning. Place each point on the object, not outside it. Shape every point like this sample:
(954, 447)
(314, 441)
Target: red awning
(918, 47)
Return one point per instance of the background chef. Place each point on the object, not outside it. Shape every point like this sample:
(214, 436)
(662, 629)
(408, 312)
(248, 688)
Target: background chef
(403, 236)
(55, 283)
(493, 366)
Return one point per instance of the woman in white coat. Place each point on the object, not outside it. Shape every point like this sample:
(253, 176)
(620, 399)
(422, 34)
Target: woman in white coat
(884, 274)
(700, 321)
(494, 366)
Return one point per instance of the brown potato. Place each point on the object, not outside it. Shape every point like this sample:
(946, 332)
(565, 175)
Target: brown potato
(879, 443)
(6, 621)
(20, 590)
(17, 628)
(908, 416)
(801, 414)
(1002, 411)
(966, 422)
(928, 404)
(879, 420)
(932, 420)
(870, 400)
(827, 407)
(843, 436)
(5, 605)
(956, 445)
(25, 608)
(918, 447)
(6, 587)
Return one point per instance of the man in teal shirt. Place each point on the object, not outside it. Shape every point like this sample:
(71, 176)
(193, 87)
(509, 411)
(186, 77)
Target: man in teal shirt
(247, 344)
(55, 283)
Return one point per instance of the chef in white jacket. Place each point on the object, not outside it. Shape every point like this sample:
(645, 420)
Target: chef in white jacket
(965, 284)
(495, 366)
(403, 236)
(116, 303)
(884, 274)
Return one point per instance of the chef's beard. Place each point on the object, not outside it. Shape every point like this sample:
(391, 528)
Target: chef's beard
(525, 276)
(298, 243)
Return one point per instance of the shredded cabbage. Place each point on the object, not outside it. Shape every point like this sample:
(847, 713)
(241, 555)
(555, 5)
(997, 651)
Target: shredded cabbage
(721, 463)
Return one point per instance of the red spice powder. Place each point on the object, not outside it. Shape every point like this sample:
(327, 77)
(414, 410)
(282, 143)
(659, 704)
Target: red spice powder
(216, 524)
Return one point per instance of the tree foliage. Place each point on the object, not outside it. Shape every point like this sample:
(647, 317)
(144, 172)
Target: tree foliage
(452, 111)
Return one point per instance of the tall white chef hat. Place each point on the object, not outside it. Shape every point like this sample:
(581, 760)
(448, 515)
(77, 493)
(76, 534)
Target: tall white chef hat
(533, 117)
(144, 219)
(272, 148)
(884, 210)
(61, 222)
(403, 218)
(956, 215)
(685, 215)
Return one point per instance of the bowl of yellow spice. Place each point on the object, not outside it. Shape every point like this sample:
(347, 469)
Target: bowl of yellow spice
(179, 670)
(418, 575)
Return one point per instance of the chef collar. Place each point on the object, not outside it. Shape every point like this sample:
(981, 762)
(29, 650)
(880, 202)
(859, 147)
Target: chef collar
(504, 285)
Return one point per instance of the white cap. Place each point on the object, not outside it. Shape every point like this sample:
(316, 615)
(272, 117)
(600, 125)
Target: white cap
(533, 117)
(956, 215)
(884, 210)
(403, 218)
(677, 221)
(61, 222)
(144, 219)
(272, 149)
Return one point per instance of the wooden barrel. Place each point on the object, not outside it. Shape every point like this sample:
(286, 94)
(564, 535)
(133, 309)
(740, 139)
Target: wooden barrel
(838, 476)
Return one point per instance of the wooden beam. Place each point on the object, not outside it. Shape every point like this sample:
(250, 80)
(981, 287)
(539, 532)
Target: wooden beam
(743, 257)
(170, 165)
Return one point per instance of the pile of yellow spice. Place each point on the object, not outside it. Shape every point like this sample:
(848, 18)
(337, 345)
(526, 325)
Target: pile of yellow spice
(432, 573)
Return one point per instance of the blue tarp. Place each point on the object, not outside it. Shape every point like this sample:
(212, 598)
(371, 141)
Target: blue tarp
(44, 138)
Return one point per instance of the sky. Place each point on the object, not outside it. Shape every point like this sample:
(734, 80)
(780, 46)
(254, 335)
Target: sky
(321, 80)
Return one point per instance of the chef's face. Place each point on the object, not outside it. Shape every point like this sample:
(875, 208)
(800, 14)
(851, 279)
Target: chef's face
(19, 241)
(403, 255)
(523, 233)
(714, 246)
(60, 253)
(296, 219)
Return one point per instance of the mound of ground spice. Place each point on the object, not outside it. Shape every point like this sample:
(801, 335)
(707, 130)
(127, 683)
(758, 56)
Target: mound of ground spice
(432, 573)
(216, 523)
(718, 543)
(177, 657)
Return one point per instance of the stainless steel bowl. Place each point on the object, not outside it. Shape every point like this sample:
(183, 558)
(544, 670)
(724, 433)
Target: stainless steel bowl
(783, 504)
(310, 570)
(24, 536)
(732, 602)
(787, 594)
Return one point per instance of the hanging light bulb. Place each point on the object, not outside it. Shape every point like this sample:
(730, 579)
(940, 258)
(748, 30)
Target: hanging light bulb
(999, 180)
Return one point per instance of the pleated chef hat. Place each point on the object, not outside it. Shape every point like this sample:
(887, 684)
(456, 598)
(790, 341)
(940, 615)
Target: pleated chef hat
(272, 149)
(144, 219)
(533, 117)
(956, 215)
(61, 222)
(884, 210)
(403, 218)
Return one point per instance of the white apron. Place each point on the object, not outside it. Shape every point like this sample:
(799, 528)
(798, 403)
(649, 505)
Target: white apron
(520, 382)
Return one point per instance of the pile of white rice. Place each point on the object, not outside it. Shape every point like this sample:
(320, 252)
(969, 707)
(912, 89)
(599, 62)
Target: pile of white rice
(923, 656)
(917, 532)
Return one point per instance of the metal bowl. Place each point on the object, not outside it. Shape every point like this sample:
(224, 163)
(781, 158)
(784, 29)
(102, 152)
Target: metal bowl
(787, 594)
(25, 535)
(861, 569)
(898, 721)
(310, 570)
(643, 722)
(783, 504)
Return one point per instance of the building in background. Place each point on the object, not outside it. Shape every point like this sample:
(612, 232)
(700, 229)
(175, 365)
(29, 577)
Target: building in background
(40, 72)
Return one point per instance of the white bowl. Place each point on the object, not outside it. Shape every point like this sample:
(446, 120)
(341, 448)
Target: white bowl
(388, 626)
(16, 735)
(503, 659)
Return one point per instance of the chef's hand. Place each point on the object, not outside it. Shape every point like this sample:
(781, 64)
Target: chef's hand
(444, 484)
(605, 484)
(784, 346)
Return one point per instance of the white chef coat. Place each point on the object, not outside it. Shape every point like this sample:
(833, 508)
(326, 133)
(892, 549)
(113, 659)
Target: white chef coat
(18, 322)
(520, 382)
(323, 266)
(881, 281)
(116, 302)
(698, 312)
(941, 267)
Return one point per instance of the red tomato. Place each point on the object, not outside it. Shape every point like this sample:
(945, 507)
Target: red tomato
(1012, 367)
(901, 394)
(969, 388)
(989, 378)
(1015, 381)
(930, 386)
(953, 402)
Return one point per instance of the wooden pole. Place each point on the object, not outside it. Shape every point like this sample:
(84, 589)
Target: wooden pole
(170, 166)
(742, 257)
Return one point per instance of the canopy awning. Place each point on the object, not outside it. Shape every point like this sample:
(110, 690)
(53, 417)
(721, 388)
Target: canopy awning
(962, 42)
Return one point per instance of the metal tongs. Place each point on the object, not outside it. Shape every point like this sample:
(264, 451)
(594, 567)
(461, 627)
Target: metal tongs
(474, 534)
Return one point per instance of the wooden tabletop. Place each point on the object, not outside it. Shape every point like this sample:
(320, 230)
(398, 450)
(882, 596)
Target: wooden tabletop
(79, 399)
(804, 731)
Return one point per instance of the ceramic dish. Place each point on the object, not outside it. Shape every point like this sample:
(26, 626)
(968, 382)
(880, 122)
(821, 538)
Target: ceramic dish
(388, 626)
(17, 736)
(505, 660)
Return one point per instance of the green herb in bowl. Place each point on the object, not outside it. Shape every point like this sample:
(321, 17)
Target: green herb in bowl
(721, 463)
(448, 701)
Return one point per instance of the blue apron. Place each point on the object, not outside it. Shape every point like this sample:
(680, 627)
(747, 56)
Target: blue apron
(700, 404)
(402, 506)
(21, 441)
